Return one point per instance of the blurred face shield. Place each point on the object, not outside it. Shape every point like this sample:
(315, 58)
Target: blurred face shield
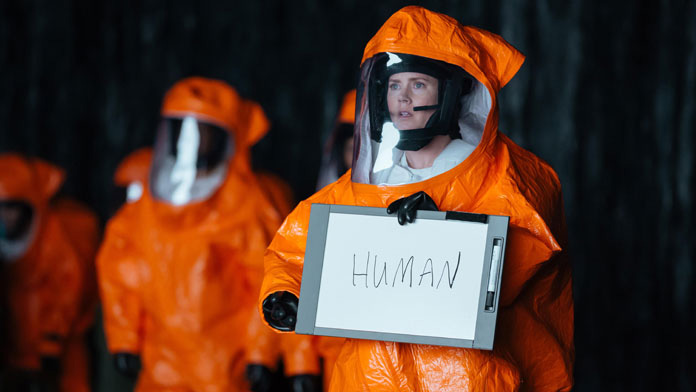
(17, 229)
(338, 155)
(417, 118)
(190, 160)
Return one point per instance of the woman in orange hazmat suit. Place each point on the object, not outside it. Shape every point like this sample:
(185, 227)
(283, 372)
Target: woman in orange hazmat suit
(427, 137)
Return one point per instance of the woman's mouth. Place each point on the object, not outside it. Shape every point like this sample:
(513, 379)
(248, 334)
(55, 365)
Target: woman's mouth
(405, 114)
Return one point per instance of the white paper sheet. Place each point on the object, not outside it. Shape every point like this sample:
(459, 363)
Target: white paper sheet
(421, 279)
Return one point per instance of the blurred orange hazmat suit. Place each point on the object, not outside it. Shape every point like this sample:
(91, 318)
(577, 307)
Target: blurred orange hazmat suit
(50, 283)
(296, 351)
(534, 349)
(179, 269)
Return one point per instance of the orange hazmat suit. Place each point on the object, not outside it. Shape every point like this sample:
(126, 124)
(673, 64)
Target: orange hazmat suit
(51, 287)
(296, 351)
(178, 282)
(534, 348)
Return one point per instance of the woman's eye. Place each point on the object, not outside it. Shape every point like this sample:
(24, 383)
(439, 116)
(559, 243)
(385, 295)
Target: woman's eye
(419, 85)
(393, 86)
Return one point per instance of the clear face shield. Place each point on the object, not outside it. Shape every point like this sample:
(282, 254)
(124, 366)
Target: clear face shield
(418, 118)
(17, 228)
(190, 160)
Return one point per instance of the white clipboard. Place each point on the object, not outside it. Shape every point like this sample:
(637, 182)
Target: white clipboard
(435, 281)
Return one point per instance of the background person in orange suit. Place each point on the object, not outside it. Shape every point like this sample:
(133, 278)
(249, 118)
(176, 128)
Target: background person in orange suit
(427, 138)
(179, 269)
(47, 250)
(338, 151)
(296, 351)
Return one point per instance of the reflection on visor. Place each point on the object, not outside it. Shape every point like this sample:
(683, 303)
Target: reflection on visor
(184, 171)
(210, 141)
(190, 161)
(390, 137)
(393, 59)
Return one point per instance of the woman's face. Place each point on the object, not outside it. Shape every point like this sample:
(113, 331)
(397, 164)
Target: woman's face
(407, 90)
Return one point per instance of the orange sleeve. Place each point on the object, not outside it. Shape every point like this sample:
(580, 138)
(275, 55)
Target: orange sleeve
(283, 263)
(525, 254)
(263, 344)
(534, 242)
(118, 269)
(536, 233)
(284, 258)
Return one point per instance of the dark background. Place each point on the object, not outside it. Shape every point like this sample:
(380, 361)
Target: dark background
(607, 96)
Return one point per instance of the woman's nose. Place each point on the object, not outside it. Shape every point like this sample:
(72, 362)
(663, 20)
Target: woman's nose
(404, 96)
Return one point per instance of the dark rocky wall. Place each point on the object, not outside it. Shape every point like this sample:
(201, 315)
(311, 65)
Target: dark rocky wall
(607, 96)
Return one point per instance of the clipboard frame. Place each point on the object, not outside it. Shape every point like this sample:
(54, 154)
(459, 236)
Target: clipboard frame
(314, 260)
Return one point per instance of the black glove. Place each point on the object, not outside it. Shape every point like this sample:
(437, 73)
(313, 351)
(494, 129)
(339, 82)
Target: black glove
(127, 364)
(280, 310)
(406, 207)
(305, 383)
(259, 377)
